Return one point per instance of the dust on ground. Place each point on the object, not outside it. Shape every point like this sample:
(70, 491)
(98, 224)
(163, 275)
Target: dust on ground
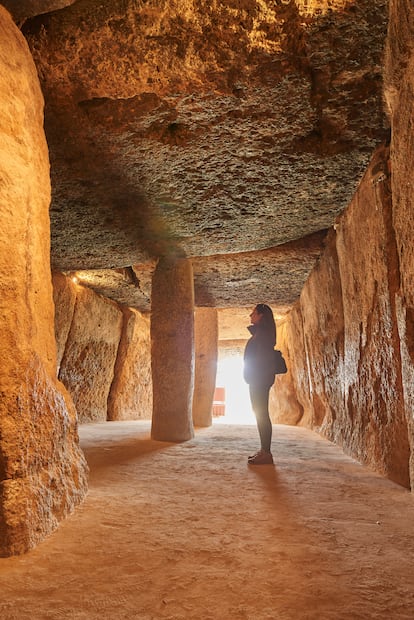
(190, 531)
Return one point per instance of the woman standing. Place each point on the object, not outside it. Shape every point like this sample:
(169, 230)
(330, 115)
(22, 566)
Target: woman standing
(259, 374)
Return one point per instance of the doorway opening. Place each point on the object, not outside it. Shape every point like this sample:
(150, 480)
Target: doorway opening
(232, 404)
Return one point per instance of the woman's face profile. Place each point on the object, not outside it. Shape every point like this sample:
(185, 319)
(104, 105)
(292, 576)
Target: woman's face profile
(255, 316)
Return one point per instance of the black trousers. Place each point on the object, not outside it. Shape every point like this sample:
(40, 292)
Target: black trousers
(259, 397)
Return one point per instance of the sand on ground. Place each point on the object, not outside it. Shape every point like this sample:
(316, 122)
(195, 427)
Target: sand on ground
(190, 531)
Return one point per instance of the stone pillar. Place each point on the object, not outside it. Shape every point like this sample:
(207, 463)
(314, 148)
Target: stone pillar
(206, 351)
(172, 350)
(42, 469)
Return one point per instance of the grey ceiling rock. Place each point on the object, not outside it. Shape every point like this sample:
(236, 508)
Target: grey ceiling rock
(204, 129)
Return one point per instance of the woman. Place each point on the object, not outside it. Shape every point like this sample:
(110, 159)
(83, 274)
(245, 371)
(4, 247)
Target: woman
(259, 373)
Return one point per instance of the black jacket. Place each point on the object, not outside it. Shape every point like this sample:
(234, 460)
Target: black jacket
(259, 364)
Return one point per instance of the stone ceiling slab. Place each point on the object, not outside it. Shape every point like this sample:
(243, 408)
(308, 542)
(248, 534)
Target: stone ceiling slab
(206, 129)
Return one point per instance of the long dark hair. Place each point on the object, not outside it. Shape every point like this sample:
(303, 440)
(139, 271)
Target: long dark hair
(267, 322)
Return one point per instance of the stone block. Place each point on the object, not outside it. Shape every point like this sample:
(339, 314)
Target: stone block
(42, 470)
(87, 367)
(130, 396)
(206, 352)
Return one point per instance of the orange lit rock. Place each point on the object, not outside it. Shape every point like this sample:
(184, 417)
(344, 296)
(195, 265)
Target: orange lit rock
(206, 350)
(130, 397)
(353, 390)
(284, 407)
(323, 334)
(87, 367)
(64, 297)
(399, 86)
(172, 350)
(374, 428)
(42, 470)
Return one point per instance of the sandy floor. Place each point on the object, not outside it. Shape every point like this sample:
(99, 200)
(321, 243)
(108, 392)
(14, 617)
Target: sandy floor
(174, 531)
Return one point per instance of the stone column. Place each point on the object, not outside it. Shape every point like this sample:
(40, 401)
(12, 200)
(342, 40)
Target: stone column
(42, 470)
(206, 348)
(172, 350)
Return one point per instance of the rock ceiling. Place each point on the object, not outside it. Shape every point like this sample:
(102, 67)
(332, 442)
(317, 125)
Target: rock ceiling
(231, 132)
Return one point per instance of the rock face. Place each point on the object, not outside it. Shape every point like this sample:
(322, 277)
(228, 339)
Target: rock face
(64, 297)
(130, 397)
(206, 129)
(284, 407)
(87, 367)
(205, 369)
(42, 470)
(399, 85)
(105, 354)
(347, 321)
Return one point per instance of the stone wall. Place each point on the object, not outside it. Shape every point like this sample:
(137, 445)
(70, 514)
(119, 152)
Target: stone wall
(130, 397)
(205, 367)
(348, 377)
(399, 94)
(43, 474)
(284, 407)
(105, 354)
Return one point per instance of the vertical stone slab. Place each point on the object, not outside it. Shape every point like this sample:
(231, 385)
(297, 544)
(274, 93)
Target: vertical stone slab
(64, 297)
(87, 368)
(323, 327)
(130, 397)
(172, 350)
(284, 407)
(399, 94)
(298, 363)
(43, 473)
(375, 429)
(206, 352)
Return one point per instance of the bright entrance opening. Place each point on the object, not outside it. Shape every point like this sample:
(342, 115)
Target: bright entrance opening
(237, 409)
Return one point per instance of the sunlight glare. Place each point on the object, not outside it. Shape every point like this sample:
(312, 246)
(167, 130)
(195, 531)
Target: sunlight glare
(230, 376)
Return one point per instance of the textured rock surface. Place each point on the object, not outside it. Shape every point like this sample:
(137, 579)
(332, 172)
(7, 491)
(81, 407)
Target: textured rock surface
(64, 298)
(87, 367)
(172, 350)
(130, 397)
(42, 470)
(198, 128)
(399, 88)
(377, 430)
(284, 407)
(353, 362)
(205, 368)
(322, 313)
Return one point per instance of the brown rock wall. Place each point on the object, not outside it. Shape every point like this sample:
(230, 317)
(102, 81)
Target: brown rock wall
(87, 367)
(399, 91)
(323, 327)
(351, 345)
(298, 363)
(130, 396)
(376, 432)
(42, 470)
(64, 297)
(284, 407)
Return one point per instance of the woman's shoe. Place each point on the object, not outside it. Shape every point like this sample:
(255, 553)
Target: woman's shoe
(249, 458)
(261, 458)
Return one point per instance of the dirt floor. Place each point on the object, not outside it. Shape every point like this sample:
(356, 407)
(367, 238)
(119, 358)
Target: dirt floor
(189, 531)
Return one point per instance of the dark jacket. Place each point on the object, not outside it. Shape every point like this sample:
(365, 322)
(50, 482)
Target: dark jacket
(259, 364)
